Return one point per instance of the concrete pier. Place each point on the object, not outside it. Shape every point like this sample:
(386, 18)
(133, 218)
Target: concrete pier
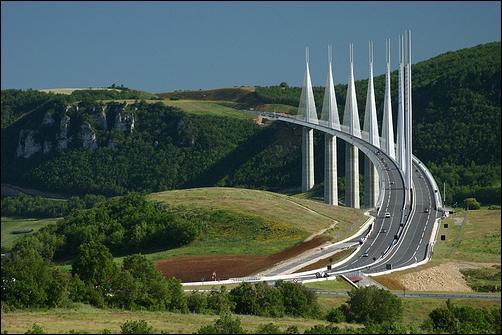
(330, 170)
(371, 184)
(307, 159)
(351, 176)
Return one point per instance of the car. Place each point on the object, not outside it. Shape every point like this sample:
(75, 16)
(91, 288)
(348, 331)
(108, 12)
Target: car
(365, 254)
(387, 214)
(384, 231)
(426, 210)
(325, 275)
(318, 275)
(392, 183)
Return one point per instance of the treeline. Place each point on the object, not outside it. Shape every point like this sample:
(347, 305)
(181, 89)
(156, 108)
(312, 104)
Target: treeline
(16, 103)
(124, 225)
(23, 205)
(28, 280)
(469, 180)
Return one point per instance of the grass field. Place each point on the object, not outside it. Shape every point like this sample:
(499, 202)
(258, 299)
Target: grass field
(199, 107)
(289, 220)
(10, 224)
(92, 320)
(477, 240)
(305, 215)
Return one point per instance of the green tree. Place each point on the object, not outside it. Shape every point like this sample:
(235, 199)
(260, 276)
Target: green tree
(371, 304)
(244, 298)
(298, 300)
(136, 327)
(26, 279)
(226, 324)
(335, 315)
(197, 302)
(94, 264)
(219, 301)
(471, 203)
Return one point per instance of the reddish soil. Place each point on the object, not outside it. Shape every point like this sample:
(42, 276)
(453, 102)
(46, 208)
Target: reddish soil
(198, 268)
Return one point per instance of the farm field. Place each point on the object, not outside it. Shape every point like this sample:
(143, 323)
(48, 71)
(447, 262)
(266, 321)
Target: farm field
(10, 224)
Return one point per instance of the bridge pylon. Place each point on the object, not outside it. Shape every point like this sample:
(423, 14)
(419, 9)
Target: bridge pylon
(371, 180)
(329, 117)
(351, 122)
(307, 112)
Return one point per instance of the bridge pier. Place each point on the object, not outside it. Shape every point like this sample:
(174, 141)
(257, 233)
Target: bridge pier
(351, 176)
(330, 170)
(371, 184)
(307, 159)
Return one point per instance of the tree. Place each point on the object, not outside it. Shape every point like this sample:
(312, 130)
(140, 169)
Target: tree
(94, 264)
(284, 84)
(26, 279)
(371, 304)
(335, 315)
(153, 290)
(226, 324)
(197, 302)
(471, 203)
(298, 300)
(244, 298)
(136, 327)
(219, 301)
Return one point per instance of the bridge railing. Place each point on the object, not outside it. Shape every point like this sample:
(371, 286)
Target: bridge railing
(428, 174)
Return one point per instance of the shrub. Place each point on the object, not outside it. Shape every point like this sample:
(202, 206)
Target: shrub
(219, 301)
(292, 330)
(371, 304)
(335, 315)
(35, 329)
(464, 319)
(298, 300)
(226, 324)
(94, 264)
(197, 302)
(258, 299)
(471, 203)
(269, 328)
(136, 327)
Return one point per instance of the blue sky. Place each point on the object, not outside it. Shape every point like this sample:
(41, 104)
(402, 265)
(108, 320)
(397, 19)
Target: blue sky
(164, 46)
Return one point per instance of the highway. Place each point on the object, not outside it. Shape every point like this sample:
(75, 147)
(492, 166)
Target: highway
(394, 240)
(400, 240)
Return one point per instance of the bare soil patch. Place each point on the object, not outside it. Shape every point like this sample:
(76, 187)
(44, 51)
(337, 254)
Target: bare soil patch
(198, 268)
(443, 277)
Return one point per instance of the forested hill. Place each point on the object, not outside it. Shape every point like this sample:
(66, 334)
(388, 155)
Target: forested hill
(82, 144)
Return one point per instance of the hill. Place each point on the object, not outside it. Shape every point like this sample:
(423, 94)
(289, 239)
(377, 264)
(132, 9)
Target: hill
(230, 231)
(110, 148)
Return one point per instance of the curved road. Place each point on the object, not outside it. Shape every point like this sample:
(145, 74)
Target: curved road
(395, 240)
(401, 239)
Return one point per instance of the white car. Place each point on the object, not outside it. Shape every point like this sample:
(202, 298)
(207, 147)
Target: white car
(387, 215)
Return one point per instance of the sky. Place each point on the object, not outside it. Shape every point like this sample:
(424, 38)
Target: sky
(167, 46)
